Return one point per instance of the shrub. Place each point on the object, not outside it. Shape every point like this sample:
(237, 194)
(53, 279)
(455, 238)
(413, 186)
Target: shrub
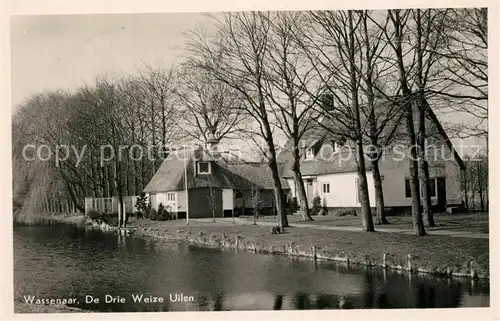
(139, 214)
(293, 205)
(347, 212)
(389, 211)
(163, 213)
(153, 215)
(94, 215)
(141, 204)
(316, 205)
(147, 211)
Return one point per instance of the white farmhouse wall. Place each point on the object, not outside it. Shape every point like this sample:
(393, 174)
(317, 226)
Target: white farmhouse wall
(227, 199)
(453, 183)
(181, 201)
(291, 184)
(161, 198)
(394, 168)
(343, 191)
(152, 200)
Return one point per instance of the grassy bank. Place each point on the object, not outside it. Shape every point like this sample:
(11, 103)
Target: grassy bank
(438, 255)
(434, 254)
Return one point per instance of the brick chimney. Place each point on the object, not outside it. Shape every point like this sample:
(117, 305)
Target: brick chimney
(213, 146)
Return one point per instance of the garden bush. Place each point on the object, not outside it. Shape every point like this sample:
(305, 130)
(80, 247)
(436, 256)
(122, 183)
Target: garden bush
(94, 215)
(347, 212)
(147, 211)
(293, 205)
(142, 205)
(163, 213)
(316, 206)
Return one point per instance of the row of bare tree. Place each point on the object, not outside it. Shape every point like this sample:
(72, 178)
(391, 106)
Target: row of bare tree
(265, 74)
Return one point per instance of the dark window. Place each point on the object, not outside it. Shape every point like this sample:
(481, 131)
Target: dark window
(326, 188)
(432, 187)
(407, 188)
(203, 167)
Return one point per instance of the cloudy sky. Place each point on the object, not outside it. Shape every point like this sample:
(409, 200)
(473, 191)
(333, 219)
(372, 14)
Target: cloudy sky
(52, 52)
(63, 52)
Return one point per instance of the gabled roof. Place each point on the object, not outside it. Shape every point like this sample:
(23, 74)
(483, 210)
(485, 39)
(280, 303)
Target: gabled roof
(339, 162)
(224, 175)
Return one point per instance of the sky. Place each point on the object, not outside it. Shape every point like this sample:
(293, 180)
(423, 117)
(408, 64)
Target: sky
(50, 52)
(63, 52)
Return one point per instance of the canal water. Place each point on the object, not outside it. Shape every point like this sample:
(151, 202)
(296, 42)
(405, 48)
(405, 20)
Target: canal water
(106, 272)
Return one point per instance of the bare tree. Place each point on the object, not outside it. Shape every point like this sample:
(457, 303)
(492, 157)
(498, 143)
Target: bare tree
(399, 19)
(256, 203)
(288, 75)
(428, 39)
(236, 57)
(475, 183)
(210, 108)
(158, 85)
(335, 54)
(212, 200)
(464, 65)
(381, 115)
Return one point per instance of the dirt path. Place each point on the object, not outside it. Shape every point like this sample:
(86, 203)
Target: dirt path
(356, 229)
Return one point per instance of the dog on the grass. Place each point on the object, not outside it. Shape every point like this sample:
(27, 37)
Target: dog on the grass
(277, 230)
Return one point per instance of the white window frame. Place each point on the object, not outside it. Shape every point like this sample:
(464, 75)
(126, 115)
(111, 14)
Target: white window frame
(203, 173)
(326, 188)
(171, 196)
(309, 153)
(435, 187)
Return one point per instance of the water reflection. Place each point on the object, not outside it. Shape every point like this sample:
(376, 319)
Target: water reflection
(82, 262)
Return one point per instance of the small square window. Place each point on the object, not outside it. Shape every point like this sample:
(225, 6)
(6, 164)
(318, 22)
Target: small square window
(203, 168)
(309, 153)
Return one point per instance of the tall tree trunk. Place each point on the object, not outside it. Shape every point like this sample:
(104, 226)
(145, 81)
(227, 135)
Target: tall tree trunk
(421, 105)
(93, 177)
(136, 190)
(423, 165)
(364, 197)
(480, 184)
(278, 192)
(466, 189)
(299, 183)
(379, 193)
(127, 177)
(418, 224)
(153, 135)
(372, 125)
(473, 198)
(105, 180)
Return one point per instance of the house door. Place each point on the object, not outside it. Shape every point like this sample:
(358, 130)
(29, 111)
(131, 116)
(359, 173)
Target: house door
(441, 193)
(309, 192)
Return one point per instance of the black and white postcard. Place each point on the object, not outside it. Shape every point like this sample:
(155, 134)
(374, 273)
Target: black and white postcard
(259, 159)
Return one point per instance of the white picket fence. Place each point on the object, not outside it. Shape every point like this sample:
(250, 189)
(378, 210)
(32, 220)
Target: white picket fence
(109, 205)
